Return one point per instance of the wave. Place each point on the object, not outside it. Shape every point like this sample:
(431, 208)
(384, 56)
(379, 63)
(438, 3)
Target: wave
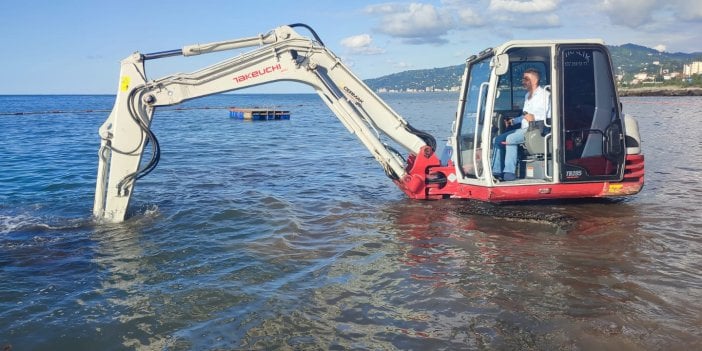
(26, 222)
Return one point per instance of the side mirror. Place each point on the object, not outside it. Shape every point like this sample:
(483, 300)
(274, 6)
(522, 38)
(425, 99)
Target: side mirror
(500, 63)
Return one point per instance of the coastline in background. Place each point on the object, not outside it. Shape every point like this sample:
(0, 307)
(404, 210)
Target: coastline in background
(661, 91)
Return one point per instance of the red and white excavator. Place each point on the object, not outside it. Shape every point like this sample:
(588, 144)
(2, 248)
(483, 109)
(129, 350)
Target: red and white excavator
(587, 148)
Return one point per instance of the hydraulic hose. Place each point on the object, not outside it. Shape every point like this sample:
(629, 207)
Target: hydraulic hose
(314, 34)
(428, 138)
(150, 138)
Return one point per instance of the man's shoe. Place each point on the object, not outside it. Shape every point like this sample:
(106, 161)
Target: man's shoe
(509, 176)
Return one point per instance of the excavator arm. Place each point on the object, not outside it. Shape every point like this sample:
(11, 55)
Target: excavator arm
(280, 55)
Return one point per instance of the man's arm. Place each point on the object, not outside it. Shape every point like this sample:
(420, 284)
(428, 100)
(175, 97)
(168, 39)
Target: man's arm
(514, 121)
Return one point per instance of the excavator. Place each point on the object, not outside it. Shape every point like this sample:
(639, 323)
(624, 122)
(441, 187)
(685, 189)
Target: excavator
(586, 148)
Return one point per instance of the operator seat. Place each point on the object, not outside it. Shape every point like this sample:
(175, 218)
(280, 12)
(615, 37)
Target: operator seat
(534, 138)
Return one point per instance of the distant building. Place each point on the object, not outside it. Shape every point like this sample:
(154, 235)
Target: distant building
(694, 67)
(641, 76)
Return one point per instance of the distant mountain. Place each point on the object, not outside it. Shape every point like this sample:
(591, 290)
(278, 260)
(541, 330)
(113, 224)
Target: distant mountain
(628, 60)
(443, 78)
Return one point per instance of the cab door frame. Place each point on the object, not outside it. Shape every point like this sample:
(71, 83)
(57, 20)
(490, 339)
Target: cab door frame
(474, 107)
(591, 129)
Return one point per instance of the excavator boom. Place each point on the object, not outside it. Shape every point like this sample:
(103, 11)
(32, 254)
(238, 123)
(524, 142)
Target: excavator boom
(280, 55)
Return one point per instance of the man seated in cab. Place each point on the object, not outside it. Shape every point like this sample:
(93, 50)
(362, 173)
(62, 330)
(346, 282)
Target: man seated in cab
(537, 107)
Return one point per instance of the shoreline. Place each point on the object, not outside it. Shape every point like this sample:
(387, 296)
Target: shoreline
(661, 91)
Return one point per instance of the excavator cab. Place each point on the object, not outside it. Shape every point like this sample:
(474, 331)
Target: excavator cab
(583, 138)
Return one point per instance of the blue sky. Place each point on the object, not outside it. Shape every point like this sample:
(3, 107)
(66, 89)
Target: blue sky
(74, 46)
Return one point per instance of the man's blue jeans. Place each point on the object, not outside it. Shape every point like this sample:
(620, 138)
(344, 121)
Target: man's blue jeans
(506, 151)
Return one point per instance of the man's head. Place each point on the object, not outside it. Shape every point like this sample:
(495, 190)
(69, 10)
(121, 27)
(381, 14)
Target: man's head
(530, 79)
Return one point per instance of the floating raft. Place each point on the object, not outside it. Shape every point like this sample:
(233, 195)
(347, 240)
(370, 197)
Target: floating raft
(257, 114)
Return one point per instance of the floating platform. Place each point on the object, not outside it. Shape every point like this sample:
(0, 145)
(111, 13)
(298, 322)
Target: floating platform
(258, 114)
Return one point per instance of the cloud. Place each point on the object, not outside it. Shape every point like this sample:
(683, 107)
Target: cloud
(629, 13)
(425, 22)
(513, 12)
(357, 41)
(531, 6)
(383, 8)
(469, 17)
(544, 21)
(688, 10)
(660, 48)
(417, 23)
(651, 14)
(456, 3)
(361, 44)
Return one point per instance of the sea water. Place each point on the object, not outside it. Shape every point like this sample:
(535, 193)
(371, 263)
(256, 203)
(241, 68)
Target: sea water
(288, 235)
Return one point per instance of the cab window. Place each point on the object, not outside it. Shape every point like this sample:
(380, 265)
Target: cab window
(510, 92)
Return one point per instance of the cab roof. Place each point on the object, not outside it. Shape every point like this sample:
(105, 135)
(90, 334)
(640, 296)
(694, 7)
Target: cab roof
(535, 43)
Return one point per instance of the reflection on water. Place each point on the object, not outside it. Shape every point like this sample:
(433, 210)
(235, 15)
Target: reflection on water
(120, 254)
(247, 243)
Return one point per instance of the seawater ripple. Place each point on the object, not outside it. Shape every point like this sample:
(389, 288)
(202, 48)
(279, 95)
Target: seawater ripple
(287, 235)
